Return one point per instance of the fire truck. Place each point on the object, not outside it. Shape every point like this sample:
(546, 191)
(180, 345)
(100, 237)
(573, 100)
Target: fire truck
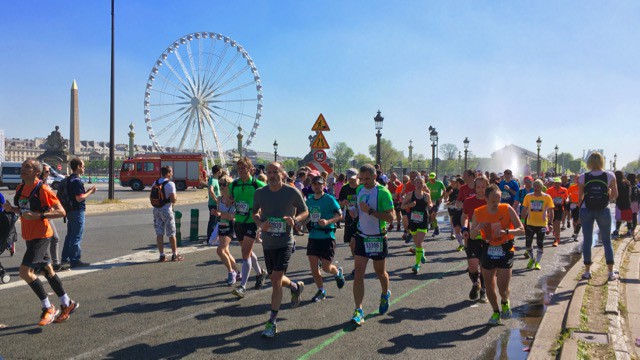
(142, 170)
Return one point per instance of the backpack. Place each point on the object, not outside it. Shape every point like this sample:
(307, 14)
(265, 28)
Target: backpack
(596, 191)
(34, 198)
(63, 195)
(157, 197)
(635, 193)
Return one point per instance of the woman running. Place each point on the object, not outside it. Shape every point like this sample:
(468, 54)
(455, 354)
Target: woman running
(226, 212)
(416, 206)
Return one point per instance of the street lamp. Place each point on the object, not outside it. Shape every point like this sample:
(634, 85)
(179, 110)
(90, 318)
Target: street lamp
(460, 160)
(410, 155)
(466, 147)
(433, 136)
(555, 168)
(615, 160)
(538, 143)
(378, 119)
(275, 150)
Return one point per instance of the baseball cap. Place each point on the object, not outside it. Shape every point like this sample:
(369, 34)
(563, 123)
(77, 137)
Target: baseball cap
(352, 173)
(314, 173)
(500, 174)
(317, 180)
(432, 175)
(528, 178)
(557, 180)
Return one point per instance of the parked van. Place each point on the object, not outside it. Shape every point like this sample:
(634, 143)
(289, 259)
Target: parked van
(10, 174)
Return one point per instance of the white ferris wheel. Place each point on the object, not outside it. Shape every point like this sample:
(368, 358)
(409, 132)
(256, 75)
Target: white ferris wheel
(202, 93)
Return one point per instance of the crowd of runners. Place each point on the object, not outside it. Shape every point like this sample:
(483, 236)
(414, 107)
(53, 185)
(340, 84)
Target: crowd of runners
(487, 213)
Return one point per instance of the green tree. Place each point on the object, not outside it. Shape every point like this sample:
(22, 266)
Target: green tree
(341, 155)
(291, 164)
(360, 159)
(388, 154)
(449, 151)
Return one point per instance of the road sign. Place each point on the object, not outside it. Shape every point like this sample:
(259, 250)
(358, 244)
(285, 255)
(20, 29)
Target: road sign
(59, 167)
(320, 124)
(319, 155)
(320, 142)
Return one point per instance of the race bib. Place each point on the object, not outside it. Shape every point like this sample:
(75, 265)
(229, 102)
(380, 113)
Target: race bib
(417, 216)
(373, 245)
(557, 200)
(351, 199)
(24, 205)
(242, 208)
(277, 226)
(495, 252)
(314, 214)
(536, 205)
(506, 195)
(223, 223)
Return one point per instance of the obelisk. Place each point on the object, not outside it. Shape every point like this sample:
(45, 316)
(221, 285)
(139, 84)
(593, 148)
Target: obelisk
(74, 125)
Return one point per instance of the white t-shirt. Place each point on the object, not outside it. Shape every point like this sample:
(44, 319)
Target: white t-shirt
(169, 188)
(611, 177)
(367, 224)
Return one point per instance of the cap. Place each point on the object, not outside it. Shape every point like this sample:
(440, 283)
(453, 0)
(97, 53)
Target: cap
(557, 180)
(352, 173)
(529, 178)
(317, 180)
(432, 175)
(500, 174)
(314, 173)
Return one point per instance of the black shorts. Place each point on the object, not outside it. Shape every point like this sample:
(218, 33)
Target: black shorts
(277, 259)
(403, 212)
(456, 217)
(557, 215)
(396, 206)
(435, 207)
(226, 230)
(567, 207)
(375, 252)
(474, 249)
(245, 229)
(322, 248)
(37, 254)
(575, 214)
(501, 258)
(350, 231)
(415, 227)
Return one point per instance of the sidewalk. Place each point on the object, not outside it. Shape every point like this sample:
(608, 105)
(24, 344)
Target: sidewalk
(595, 318)
(184, 198)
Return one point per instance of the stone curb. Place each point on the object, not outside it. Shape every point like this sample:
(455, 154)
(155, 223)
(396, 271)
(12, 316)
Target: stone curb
(632, 294)
(616, 332)
(143, 203)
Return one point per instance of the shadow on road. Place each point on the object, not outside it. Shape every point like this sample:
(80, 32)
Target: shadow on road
(428, 313)
(437, 340)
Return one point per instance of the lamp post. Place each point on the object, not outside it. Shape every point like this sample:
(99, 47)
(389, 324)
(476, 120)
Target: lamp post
(239, 136)
(433, 136)
(615, 160)
(460, 161)
(538, 144)
(555, 168)
(466, 150)
(410, 155)
(610, 164)
(275, 150)
(378, 119)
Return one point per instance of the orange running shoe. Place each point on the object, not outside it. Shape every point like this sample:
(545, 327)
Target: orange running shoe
(555, 243)
(66, 311)
(48, 315)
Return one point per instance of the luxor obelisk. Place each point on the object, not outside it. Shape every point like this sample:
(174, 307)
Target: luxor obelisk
(74, 125)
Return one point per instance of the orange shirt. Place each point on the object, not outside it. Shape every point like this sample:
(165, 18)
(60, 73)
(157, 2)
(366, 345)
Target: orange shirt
(37, 229)
(559, 196)
(574, 193)
(495, 223)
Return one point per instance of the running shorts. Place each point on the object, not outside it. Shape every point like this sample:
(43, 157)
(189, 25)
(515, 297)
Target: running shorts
(277, 259)
(245, 230)
(557, 215)
(474, 249)
(350, 231)
(456, 217)
(322, 248)
(37, 254)
(497, 257)
(374, 248)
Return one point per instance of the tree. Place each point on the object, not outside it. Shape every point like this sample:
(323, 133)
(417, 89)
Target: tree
(449, 151)
(341, 155)
(290, 164)
(388, 154)
(360, 159)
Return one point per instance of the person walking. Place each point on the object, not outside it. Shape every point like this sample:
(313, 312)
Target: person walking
(71, 251)
(213, 187)
(164, 221)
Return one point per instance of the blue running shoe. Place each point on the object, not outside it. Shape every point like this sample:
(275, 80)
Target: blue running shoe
(384, 303)
(340, 278)
(358, 317)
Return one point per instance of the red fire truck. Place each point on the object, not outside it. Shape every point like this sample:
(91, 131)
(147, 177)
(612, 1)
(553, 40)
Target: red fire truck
(144, 169)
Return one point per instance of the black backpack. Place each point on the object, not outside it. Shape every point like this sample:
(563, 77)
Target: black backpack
(157, 197)
(635, 193)
(63, 195)
(596, 191)
(34, 198)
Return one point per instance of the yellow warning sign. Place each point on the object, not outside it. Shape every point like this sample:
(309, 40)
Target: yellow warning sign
(320, 124)
(320, 142)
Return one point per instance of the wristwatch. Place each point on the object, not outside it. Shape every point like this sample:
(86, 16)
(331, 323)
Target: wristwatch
(506, 231)
(41, 216)
(371, 211)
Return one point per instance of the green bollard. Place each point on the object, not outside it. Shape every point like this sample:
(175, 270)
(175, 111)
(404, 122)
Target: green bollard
(193, 233)
(178, 216)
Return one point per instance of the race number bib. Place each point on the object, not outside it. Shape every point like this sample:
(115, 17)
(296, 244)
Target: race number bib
(351, 199)
(536, 205)
(557, 200)
(373, 245)
(24, 205)
(506, 195)
(277, 226)
(314, 214)
(417, 216)
(242, 208)
(495, 252)
(223, 223)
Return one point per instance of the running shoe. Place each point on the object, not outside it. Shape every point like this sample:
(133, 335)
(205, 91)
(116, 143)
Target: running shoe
(506, 310)
(358, 317)
(340, 278)
(238, 276)
(436, 232)
(48, 315)
(295, 295)
(415, 269)
(270, 330)
(575, 237)
(231, 278)
(319, 296)
(526, 254)
(162, 258)
(60, 267)
(531, 262)
(423, 260)
(586, 275)
(537, 266)
(260, 279)
(384, 303)
(239, 292)
(474, 294)
(12, 248)
(66, 311)
(483, 296)
(452, 237)
(407, 238)
(614, 234)
(613, 276)
(176, 257)
(460, 248)
(412, 250)
(556, 243)
(495, 319)
(563, 228)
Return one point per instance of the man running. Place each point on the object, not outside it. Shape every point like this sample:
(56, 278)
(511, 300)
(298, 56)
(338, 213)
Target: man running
(324, 212)
(455, 214)
(565, 182)
(437, 189)
(509, 188)
(242, 191)
(559, 196)
(374, 209)
(347, 198)
(164, 222)
(474, 245)
(276, 210)
(35, 203)
(407, 188)
(393, 185)
(538, 211)
(574, 207)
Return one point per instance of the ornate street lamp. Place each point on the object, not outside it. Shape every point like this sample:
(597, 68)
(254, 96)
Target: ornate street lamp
(538, 144)
(433, 136)
(555, 168)
(275, 150)
(410, 155)
(378, 119)
(466, 147)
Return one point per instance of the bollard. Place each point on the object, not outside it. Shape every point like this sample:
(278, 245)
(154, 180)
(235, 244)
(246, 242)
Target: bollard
(193, 230)
(178, 216)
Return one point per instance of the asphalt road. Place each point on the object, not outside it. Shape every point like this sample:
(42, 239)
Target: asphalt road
(144, 309)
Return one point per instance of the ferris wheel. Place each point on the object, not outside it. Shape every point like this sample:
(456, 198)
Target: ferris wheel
(203, 92)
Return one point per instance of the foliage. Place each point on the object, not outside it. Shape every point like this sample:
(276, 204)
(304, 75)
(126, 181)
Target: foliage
(449, 151)
(360, 159)
(388, 154)
(341, 155)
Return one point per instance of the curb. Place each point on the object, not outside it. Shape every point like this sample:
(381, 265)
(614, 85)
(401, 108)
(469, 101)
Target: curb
(631, 295)
(616, 331)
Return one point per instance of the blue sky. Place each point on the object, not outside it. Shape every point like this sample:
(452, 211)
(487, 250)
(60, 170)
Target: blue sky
(496, 72)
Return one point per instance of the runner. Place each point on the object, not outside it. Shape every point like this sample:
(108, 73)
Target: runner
(455, 214)
(537, 209)
(574, 206)
(559, 196)
(35, 203)
(393, 185)
(474, 245)
(324, 212)
(635, 201)
(509, 188)
(437, 189)
(623, 204)
(213, 187)
(498, 224)
(519, 199)
(407, 188)
(274, 211)
(374, 209)
(417, 205)
(466, 190)
(346, 199)
(242, 191)
(225, 212)
(566, 210)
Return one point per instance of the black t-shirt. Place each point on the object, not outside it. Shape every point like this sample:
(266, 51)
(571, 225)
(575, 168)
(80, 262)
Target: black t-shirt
(348, 193)
(76, 187)
(454, 194)
(623, 201)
